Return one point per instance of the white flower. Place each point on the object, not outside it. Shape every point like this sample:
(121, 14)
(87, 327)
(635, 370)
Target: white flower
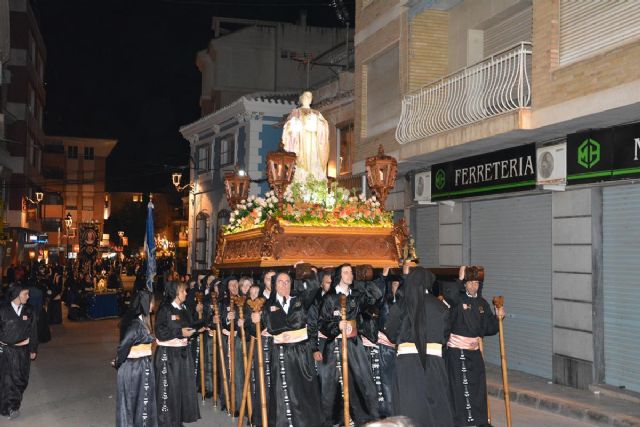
(270, 205)
(361, 197)
(236, 212)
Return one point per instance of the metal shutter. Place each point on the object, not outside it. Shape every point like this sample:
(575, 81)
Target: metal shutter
(509, 32)
(589, 26)
(621, 269)
(426, 235)
(511, 238)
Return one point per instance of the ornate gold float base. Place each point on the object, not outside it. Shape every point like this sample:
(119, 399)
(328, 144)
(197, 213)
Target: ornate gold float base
(278, 244)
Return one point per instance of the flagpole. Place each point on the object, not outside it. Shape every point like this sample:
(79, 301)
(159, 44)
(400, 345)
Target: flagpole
(150, 245)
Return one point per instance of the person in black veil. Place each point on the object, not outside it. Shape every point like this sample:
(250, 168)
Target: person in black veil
(295, 391)
(419, 324)
(210, 284)
(176, 399)
(55, 299)
(471, 319)
(195, 309)
(318, 343)
(362, 390)
(18, 347)
(136, 389)
(381, 351)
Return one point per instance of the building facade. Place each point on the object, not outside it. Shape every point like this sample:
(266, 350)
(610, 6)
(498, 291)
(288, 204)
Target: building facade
(23, 99)
(476, 99)
(236, 137)
(74, 170)
(248, 56)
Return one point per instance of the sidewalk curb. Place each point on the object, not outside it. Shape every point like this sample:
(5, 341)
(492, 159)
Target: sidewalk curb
(560, 406)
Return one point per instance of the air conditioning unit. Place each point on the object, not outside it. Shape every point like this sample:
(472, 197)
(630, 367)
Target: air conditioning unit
(552, 166)
(422, 187)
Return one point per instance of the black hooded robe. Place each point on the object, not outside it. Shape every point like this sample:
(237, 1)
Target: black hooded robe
(55, 303)
(15, 360)
(295, 390)
(420, 390)
(176, 392)
(470, 317)
(362, 389)
(136, 389)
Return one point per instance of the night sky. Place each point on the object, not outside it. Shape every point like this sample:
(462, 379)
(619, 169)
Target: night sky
(125, 69)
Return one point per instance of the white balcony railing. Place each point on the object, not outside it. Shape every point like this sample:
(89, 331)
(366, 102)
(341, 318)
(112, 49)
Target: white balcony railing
(497, 85)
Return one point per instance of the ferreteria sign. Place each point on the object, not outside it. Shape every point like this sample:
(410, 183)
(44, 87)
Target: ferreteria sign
(513, 169)
(603, 155)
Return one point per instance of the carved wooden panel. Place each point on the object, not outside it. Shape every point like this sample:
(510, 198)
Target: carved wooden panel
(347, 247)
(242, 250)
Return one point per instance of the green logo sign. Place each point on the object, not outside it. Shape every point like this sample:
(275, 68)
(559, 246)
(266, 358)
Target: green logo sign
(589, 153)
(440, 179)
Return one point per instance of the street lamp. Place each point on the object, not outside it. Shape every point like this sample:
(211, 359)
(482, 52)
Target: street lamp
(236, 187)
(381, 174)
(281, 165)
(175, 179)
(68, 220)
(39, 197)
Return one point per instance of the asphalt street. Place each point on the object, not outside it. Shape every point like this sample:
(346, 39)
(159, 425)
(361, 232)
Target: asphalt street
(73, 385)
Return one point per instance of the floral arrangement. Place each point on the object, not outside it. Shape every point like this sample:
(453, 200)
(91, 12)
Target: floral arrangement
(312, 203)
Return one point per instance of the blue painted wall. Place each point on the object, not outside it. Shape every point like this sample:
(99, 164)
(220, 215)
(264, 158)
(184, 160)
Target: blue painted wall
(270, 137)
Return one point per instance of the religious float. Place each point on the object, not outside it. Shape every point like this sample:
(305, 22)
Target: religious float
(306, 216)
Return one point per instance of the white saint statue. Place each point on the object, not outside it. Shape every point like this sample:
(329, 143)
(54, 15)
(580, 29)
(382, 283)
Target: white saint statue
(306, 133)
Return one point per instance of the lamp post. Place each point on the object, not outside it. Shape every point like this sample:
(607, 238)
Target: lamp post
(236, 187)
(281, 165)
(381, 174)
(68, 220)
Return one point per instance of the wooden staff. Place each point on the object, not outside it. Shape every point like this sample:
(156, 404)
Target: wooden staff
(199, 298)
(239, 301)
(498, 302)
(245, 387)
(232, 358)
(214, 370)
(214, 358)
(256, 307)
(345, 361)
(225, 384)
(481, 345)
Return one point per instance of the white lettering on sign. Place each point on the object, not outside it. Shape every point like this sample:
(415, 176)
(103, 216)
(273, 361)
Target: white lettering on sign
(637, 147)
(504, 169)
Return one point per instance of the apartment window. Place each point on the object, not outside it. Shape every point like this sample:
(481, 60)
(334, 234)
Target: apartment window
(202, 224)
(72, 152)
(32, 43)
(227, 150)
(347, 137)
(587, 28)
(33, 155)
(32, 101)
(88, 153)
(51, 224)
(204, 158)
(383, 92)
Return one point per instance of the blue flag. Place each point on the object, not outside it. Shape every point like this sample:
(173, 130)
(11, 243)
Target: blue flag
(150, 248)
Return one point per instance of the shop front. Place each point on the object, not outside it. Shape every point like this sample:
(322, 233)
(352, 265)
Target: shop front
(610, 159)
(494, 216)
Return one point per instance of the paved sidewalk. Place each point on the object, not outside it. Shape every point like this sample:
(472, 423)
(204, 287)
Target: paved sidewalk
(583, 405)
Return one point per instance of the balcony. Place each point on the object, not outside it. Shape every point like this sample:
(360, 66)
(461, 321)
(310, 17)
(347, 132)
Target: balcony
(500, 84)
